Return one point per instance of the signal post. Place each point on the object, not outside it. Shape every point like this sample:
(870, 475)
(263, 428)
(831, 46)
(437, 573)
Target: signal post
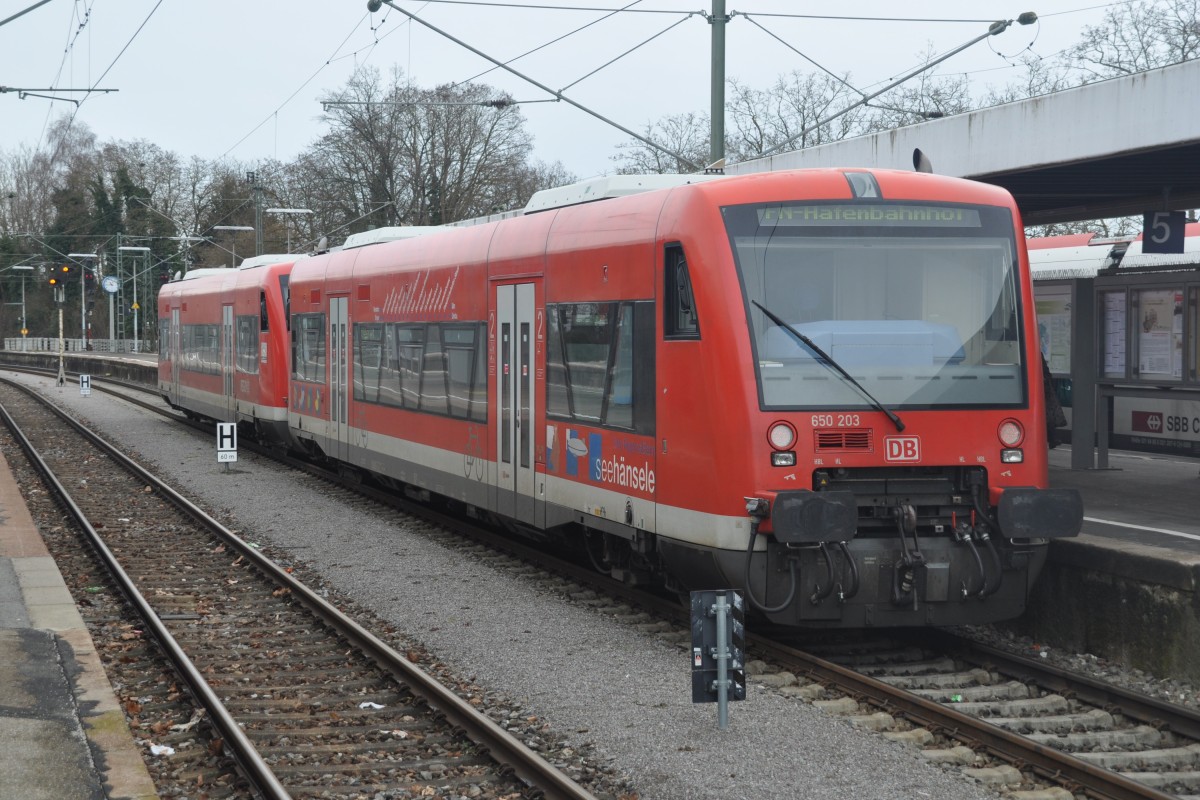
(57, 281)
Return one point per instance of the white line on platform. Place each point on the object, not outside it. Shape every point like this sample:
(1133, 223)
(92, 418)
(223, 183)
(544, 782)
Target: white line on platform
(1181, 534)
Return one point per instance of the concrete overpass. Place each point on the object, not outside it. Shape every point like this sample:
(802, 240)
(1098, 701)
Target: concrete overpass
(1118, 147)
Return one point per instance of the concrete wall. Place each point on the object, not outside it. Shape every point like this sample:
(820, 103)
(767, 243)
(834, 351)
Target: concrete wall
(1121, 115)
(131, 369)
(1126, 602)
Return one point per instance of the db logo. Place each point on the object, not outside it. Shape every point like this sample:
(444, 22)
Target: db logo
(902, 448)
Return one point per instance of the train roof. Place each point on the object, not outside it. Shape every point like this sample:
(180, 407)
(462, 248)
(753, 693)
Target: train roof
(250, 263)
(1062, 263)
(391, 234)
(1061, 257)
(202, 272)
(573, 194)
(1134, 258)
(270, 258)
(608, 187)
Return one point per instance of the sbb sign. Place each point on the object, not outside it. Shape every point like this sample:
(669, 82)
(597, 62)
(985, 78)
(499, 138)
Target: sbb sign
(1158, 426)
(1157, 423)
(902, 448)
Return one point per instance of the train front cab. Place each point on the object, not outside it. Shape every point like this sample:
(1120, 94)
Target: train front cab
(891, 470)
(255, 329)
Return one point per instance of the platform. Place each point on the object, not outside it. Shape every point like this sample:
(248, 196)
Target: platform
(1126, 588)
(62, 730)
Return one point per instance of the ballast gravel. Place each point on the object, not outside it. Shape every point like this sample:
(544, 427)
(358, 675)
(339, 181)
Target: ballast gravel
(599, 684)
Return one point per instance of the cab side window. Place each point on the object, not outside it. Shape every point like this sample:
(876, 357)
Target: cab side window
(680, 320)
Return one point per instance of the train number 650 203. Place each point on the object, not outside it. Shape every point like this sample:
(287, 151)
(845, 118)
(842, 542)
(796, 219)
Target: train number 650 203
(836, 420)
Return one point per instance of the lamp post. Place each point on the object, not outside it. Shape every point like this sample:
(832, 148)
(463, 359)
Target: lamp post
(233, 242)
(289, 227)
(24, 326)
(81, 258)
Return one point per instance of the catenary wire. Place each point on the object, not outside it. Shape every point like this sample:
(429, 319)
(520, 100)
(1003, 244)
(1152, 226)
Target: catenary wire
(299, 88)
(82, 100)
(777, 38)
(556, 40)
(627, 52)
(334, 57)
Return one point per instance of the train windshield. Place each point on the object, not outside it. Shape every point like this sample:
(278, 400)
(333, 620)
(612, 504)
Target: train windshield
(919, 302)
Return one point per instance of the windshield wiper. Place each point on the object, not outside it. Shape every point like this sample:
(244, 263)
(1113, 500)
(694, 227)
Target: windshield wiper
(828, 360)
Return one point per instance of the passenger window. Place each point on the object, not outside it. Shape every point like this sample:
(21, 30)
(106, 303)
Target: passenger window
(433, 367)
(308, 347)
(618, 400)
(247, 345)
(600, 364)
(680, 320)
(368, 361)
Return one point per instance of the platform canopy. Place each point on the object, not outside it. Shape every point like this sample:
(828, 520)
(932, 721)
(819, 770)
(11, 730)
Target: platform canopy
(1117, 147)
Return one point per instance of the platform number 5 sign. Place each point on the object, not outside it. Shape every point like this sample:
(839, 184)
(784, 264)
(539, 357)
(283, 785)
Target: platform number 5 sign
(1162, 232)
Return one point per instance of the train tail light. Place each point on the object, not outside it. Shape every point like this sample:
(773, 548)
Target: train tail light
(782, 438)
(1011, 434)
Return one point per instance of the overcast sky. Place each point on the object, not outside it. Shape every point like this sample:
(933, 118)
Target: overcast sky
(243, 79)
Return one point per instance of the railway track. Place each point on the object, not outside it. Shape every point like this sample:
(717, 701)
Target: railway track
(1017, 724)
(270, 691)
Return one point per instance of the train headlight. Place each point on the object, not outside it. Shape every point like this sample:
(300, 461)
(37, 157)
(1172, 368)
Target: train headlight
(785, 458)
(1010, 432)
(782, 436)
(1014, 456)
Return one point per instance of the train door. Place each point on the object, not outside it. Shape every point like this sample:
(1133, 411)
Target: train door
(516, 403)
(227, 361)
(339, 374)
(174, 345)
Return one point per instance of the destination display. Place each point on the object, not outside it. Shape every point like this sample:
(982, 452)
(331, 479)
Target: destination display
(869, 214)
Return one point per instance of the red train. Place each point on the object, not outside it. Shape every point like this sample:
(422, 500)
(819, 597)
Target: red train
(224, 352)
(1083, 255)
(819, 386)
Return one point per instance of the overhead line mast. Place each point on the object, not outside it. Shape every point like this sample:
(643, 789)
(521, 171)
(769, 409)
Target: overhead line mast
(716, 142)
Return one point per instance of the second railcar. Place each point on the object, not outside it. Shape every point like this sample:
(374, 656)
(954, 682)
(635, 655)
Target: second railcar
(224, 344)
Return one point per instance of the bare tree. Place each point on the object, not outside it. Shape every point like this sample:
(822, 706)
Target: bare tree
(800, 109)
(685, 134)
(926, 96)
(25, 185)
(1135, 37)
(1114, 227)
(1039, 76)
(399, 154)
